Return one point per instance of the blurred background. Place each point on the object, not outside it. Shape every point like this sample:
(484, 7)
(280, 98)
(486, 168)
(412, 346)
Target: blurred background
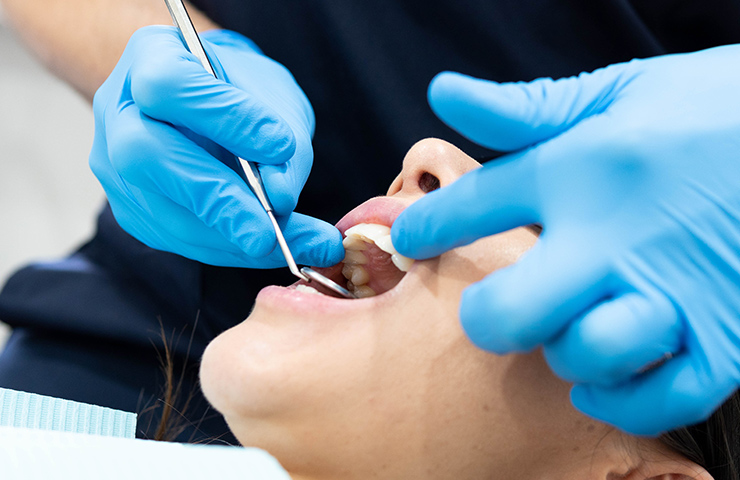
(48, 197)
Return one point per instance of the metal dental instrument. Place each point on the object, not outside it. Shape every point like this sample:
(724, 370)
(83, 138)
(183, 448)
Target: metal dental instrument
(190, 37)
(326, 282)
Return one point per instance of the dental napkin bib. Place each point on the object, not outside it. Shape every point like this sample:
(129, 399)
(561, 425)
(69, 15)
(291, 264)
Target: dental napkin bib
(45, 438)
(28, 410)
(46, 455)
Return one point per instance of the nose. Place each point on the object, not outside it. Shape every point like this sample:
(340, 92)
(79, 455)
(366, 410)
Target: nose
(429, 165)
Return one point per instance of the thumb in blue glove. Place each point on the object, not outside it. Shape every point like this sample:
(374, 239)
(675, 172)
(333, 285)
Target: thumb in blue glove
(634, 172)
(165, 139)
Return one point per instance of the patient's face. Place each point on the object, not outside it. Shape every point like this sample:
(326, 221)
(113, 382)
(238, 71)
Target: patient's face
(389, 386)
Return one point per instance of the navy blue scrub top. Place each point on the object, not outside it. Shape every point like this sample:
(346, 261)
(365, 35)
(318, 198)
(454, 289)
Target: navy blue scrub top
(89, 327)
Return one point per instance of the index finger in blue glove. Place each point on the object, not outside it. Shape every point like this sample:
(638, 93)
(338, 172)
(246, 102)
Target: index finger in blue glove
(311, 241)
(506, 117)
(616, 339)
(156, 157)
(218, 197)
(284, 183)
(682, 391)
(511, 116)
(130, 205)
(229, 224)
(497, 197)
(169, 84)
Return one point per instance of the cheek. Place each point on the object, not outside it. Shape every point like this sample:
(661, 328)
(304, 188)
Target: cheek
(474, 262)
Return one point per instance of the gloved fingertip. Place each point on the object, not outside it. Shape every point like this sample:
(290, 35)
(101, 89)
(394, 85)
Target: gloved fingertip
(328, 254)
(283, 203)
(401, 236)
(272, 142)
(449, 92)
(282, 194)
(474, 318)
(323, 250)
(581, 398)
(444, 84)
(607, 408)
(410, 237)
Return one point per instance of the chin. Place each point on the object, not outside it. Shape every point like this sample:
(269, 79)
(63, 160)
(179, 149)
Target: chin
(235, 387)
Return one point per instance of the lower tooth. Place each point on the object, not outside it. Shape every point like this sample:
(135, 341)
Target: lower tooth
(356, 274)
(363, 291)
(307, 289)
(360, 276)
(347, 270)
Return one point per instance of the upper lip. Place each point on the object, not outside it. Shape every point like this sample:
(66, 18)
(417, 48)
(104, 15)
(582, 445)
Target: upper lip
(380, 210)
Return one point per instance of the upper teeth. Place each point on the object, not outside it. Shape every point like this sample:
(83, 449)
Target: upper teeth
(355, 242)
(380, 235)
(357, 239)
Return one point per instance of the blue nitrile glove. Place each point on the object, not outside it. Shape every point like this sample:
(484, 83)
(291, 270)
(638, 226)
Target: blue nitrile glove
(634, 172)
(164, 129)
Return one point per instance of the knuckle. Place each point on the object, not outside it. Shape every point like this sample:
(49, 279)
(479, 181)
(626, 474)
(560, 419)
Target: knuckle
(634, 423)
(141, 43)
(151, 84)
(97, 166)
(602, 351)
(602, 368)
(130, 151)
(212, 212)
(695, 400)
(100, 102)
(515, 323)
(143, 34)
(559, 360)
(691, 407)
(626, 148)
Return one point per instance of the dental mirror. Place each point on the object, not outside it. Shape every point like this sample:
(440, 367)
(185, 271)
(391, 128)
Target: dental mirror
(325, 282)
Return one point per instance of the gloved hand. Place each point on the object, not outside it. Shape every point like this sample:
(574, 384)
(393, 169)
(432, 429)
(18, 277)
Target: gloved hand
(164, 128)
(634, 172)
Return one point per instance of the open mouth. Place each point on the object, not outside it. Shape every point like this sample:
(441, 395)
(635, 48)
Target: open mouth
(371, 265)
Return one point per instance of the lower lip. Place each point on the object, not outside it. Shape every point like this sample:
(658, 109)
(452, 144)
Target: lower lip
(301, 303)
(378, 210)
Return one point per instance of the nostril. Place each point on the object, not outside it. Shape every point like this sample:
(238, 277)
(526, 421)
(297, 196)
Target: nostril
(428, 182)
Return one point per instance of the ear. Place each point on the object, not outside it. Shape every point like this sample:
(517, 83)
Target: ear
(680, 476)
(668, 469)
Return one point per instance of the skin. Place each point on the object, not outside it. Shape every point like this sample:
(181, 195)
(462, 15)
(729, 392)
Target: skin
(80, 41)
(391, 388)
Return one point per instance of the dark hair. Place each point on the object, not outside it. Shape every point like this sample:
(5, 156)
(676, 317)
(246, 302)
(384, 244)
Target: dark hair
(713, 444)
